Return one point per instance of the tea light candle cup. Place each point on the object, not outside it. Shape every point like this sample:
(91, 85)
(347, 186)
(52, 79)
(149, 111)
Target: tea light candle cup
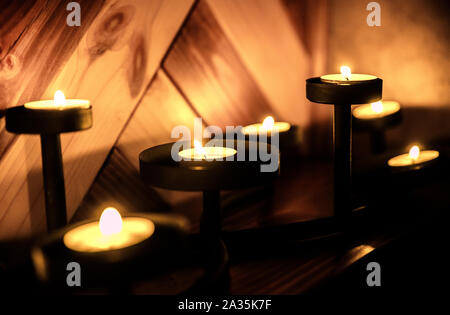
(200, 157)
(346, 77)
(376, 110)
(286, 134)
(110, 233)
(198, 152)
(267, 127)
(113, 250)
(415, 159)
(59, 102)
(50, 116)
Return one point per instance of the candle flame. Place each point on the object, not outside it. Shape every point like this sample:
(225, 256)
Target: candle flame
(268, 123)
(414, 152)
(377, 107)
(346, 72)
(59, 98)
(198, 147)
(110, 221)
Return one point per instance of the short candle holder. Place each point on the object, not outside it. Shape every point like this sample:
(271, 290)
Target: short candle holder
(49, 124)
(146, 245)
(158, 168)
(342, 95)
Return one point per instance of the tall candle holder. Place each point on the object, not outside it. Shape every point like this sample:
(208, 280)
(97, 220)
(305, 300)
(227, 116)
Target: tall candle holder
(49, 124)
(342, 94)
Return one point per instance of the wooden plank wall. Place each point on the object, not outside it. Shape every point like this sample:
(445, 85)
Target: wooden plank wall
(146, 66)
(233, 63)
(109, 59)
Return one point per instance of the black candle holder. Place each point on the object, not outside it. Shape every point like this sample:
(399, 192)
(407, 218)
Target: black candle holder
(342, 96)
(158, 169)
(49, 124)
(114, 269)
(376, 128)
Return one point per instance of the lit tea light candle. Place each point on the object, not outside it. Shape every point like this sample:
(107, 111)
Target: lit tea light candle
(110, 233)
(267, 126)
(346, 76)
(199, 153)
(59, 102)
(415, 157)
(376, 110)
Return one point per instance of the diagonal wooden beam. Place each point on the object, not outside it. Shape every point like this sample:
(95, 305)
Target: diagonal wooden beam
(111, 65)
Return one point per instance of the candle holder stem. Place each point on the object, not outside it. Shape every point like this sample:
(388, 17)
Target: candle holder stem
(52, 168)
(377, 141)
(210, 224)
(342, 138)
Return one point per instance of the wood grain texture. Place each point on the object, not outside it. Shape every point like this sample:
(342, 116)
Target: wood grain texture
(34, 45)
(224, 67)
(204, 64)
(111, 66)
(267, 44)
(115, 183)
(32, 56)
(160, 110)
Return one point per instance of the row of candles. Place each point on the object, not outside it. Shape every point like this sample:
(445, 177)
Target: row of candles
(375, 110)
(113, 232)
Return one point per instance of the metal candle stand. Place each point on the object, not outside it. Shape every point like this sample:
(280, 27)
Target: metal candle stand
(49, 124)
(343, 95)
(376, 128)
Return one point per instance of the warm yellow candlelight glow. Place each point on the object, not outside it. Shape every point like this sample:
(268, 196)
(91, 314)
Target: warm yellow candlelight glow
(110, 221)
(414, 157)
(268, 125)
(59, 102)
(414, 152)
(111, 232)
(346, 72)
(377, 107)
(59, 98)
(346, 76)
(198, 152)
(376, 110)
(199, 148)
